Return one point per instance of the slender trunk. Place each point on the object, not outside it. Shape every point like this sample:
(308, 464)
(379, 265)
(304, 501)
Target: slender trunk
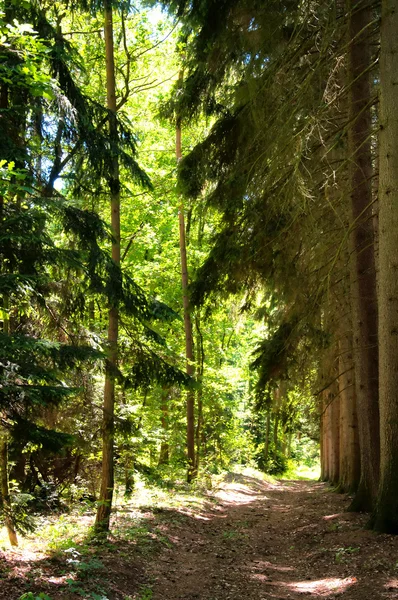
(266, 443)
(386, 515)
(326, 448)
(107, 477)
(5, 492)
(200, 358)
(277, 405)
(164, 448)
(276, 429)
(363, 273)
(335, 435)
(322, 443)
(189, 353)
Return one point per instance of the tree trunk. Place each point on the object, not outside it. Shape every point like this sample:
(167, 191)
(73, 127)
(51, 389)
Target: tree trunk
(349, 442)
(326, 437)
(386, 517)
(363, 273)
(107, 477)
(267, 433)
(322, 444)
(335, 435)
(189, 353)
(200, 360)
(5, 492)
(164, 447)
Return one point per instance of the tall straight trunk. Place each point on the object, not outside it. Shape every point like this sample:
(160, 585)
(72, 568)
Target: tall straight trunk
(200, 360)
(349, 442)
(326, 438)
(363, 272)
(267, 433)
(322, 444)
(164, 447)
(107, 477)
(5, 492)
(189, 353)
(335, 435)
(386, 517)
(276, 409)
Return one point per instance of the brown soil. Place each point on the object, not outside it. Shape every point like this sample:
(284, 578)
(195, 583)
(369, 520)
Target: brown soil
(286, 541)
(251, 540)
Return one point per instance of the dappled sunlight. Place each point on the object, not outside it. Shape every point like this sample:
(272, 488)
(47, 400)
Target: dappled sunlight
(264, 565)
(330, 517)
(236, 493)
(321, 587)
(392, 584)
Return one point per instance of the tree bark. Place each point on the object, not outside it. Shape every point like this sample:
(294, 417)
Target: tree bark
(326, 436)
(349, 442)
(335, 435)
(5, 492)
(200, 360)
(107, 477)
(189, 352)
(164, 447)
(363, 272)
(386, 516)
(267, 433)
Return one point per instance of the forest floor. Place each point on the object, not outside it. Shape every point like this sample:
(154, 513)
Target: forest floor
(246, 539)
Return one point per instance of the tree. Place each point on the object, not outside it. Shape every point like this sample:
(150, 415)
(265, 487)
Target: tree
(386, 512)
(363, 276)
(107, 480)
(189, 350)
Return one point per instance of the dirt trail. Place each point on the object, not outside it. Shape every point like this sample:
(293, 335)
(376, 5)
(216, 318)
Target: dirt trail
(263, 541)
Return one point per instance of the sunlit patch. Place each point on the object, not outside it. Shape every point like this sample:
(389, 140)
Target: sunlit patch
(330, 517)
(59, 580)
(236, 493)
(260, 577)
(322, 587)
(264, 565)
(392, 584)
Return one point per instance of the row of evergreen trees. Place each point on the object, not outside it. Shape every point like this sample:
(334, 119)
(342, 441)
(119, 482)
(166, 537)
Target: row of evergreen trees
(301, 166)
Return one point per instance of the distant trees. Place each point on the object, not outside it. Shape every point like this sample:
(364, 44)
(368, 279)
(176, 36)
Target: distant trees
(84, 303)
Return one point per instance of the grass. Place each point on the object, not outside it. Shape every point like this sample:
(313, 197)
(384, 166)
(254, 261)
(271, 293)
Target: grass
(302, 472)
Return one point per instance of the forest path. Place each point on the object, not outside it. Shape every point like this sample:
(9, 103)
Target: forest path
(257, 540)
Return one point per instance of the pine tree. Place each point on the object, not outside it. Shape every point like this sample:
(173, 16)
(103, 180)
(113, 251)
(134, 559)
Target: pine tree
(386, 512)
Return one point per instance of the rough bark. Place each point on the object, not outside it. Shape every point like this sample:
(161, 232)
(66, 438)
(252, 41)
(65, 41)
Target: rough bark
(335, 435)
(322, 444)
(363, 273)
(107, 476)
(386, 516)
(349, 442)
